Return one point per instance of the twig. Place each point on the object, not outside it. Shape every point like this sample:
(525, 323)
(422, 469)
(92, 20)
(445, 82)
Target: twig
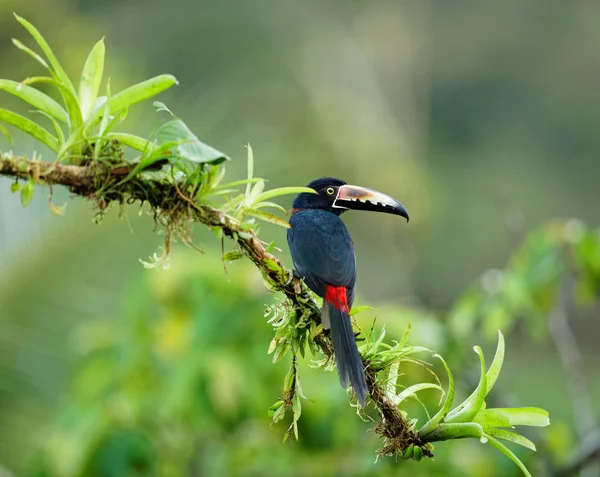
(583, 410)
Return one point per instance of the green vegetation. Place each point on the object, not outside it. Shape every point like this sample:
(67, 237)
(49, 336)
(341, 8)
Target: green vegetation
(146, 400)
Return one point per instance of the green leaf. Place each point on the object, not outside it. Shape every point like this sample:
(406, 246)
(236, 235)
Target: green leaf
(506, 451)
(259, 214)
(359, 309)
(15, 187)
(412, 391)
(57, 128)
(35, 98)
(494, 371)
(31, 53)
(297, 409)
(31, 128)
(250, 169)
(512, 437)
(233, 255)
(456, 430)
(27, 193)
(130, 140)
(279, 412)
(71, 101)
(471, 406)
(140, 92)
(57, 70)
(288, 381)
(6, 133)
(272, 205)
(434, 422)
(509, 417)
(283, 191)
(91, 77)
(187, 145)
(255, 192)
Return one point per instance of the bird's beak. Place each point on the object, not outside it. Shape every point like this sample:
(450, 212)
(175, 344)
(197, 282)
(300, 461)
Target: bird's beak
(361, 198)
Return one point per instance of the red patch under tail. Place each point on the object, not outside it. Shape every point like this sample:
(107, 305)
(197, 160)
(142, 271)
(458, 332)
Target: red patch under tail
(337, 297)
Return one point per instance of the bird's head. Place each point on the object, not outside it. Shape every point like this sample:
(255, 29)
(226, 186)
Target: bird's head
(336, 196)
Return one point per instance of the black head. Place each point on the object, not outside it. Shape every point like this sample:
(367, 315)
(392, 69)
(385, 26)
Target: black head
(327, 190)
(336, 196)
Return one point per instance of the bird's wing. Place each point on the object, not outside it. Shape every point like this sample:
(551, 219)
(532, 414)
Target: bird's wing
(322, 251)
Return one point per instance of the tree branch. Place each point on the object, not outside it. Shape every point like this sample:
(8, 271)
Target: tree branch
(103, 183)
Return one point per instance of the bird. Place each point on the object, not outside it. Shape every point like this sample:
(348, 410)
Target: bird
(323, 255)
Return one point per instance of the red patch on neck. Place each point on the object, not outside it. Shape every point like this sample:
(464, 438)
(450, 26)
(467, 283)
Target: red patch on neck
(293, 211)
(337, 297)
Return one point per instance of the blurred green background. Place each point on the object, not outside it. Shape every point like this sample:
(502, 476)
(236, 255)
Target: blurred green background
(481, 117)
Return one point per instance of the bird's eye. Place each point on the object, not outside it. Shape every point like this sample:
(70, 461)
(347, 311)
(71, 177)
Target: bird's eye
(330, 190)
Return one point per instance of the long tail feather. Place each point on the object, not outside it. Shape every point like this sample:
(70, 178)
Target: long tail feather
(349, 364)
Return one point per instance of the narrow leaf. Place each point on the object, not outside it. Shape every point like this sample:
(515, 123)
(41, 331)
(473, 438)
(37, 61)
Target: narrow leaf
(259, 214)
(31, 53)
(130, 140)
(91, 77)
(35, 98)
(31, 128)
(56, 69)
(283, 191)
(141, 91)
(71, 101)
(455, 430)
(496, 366)
(412, 391)
(471, 406)
(250, 171)
(6, 133)
(434, 422)
(359, 309)
(507, 452)
(57, 129)
(512, 437)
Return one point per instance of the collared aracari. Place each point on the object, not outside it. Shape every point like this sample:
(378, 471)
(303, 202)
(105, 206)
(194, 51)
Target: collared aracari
(323, 256)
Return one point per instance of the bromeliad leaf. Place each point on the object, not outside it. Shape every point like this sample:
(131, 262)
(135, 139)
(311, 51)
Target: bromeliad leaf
(71, 101)
(91, 77)
(5, 132)
(509, 417)
(412, 391)
(31, 128)
(55, 67)
(259, 214)
(187, 145)
(141, 91)
(283, 191)
(131, 140)
(507, 452)
(31, 53)
(434, 422)
(471, 406)
(511, 437)
(35, 98)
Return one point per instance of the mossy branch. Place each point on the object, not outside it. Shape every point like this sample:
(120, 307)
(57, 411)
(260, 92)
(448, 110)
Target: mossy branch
(161, 196)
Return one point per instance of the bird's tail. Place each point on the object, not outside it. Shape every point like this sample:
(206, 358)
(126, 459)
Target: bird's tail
(349, 365)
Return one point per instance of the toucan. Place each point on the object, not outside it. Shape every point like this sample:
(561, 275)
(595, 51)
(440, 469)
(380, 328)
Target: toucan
(323, 256)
